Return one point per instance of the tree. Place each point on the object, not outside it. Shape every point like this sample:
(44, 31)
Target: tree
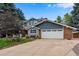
(15, 11)
(9, 21)
(59, 20)
(67, 19)
(75, 14)
(8, 6)
(75, 10)
(20, 14)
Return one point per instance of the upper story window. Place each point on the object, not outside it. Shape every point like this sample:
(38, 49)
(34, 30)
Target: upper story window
(25, 24)
(32, 22)
(29, 23)
(35, 22)
(33, 31)
(75, 23)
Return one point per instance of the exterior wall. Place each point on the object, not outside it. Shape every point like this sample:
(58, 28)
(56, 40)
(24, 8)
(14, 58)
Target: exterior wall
(31, 23)
(49, 25)
(39, 34)
(68, 33)
(75, 35)
(33, 34)
(24, 25)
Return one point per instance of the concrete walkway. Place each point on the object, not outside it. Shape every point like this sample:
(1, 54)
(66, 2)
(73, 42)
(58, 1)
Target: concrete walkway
(44, 47)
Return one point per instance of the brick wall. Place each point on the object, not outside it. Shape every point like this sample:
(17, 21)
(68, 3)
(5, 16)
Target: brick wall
(68, 33)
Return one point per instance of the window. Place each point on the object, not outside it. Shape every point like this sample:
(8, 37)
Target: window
(29, 23)
(33, 31)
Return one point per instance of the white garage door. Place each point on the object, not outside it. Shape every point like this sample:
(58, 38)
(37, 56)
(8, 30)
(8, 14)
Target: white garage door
(52, 33)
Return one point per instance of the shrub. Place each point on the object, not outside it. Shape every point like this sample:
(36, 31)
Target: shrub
(7, 42)
(4, 43)
(18, 39)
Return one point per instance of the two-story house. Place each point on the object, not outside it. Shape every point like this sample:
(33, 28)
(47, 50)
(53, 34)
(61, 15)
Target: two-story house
(29, 24)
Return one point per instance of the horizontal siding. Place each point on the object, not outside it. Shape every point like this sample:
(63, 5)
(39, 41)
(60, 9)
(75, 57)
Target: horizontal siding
(49, 25)
(75, 35)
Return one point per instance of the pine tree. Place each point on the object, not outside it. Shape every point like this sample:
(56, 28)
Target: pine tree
(75, 14)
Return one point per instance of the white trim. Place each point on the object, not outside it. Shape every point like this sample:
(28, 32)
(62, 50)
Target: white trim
(76, 32)
(52, 34)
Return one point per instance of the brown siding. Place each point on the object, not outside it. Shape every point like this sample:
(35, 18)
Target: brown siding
(75, 35)
(68, 33)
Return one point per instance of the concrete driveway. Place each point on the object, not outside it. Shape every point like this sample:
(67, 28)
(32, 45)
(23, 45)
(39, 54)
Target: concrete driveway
(44, 47)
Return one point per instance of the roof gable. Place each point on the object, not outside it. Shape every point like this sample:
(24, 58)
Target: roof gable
(49, 25)
(55, 23)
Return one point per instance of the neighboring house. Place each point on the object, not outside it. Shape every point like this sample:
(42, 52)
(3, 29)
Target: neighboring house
(30, 23)
(48, 29)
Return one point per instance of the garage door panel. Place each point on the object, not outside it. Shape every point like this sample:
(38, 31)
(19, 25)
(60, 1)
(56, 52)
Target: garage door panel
(52, 34)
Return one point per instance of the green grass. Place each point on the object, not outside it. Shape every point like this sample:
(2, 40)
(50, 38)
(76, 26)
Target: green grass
(8, 42)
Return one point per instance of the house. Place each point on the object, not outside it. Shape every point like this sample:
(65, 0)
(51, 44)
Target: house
(48, 29)
(30, 23)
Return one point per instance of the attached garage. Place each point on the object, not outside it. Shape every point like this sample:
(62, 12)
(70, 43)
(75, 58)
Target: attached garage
(52, 33)
(48, 29)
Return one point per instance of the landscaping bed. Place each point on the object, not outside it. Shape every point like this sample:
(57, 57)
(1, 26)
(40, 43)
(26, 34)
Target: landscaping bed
(8, 42)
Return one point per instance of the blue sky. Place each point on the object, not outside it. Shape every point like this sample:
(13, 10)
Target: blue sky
(47, 10)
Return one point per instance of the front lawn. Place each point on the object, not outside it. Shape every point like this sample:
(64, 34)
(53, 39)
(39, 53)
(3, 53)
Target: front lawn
(8, 42)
